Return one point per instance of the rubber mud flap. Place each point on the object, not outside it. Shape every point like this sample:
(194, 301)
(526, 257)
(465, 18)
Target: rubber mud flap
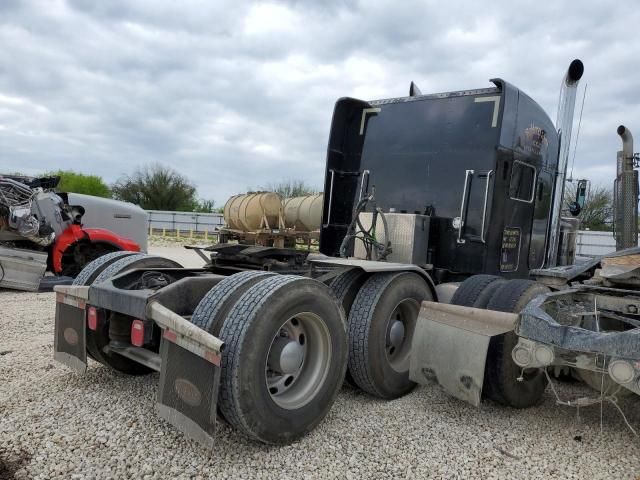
(188, 392)
(70, 335)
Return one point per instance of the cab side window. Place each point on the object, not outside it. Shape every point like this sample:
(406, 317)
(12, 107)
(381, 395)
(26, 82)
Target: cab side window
(523, 180)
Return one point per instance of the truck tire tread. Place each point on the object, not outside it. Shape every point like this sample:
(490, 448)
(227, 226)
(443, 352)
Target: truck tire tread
(501, 371)
(470, 291)
(93, 268)
(212, 309)
(379, 379)
(247, 312)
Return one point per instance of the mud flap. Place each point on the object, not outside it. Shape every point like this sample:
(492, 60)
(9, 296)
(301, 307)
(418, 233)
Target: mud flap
(188, 390)
(70, 332)
(450, 347)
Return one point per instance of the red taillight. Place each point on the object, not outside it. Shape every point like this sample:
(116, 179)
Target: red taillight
(137, 333)
(92, 318)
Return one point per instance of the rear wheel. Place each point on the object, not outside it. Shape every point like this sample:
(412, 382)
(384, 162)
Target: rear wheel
(381, 325)
(215, 305)
(345, 287)
(102, 269)
(284, 359)
(476, 291)
(505, 382)
(93, 269)
(81, 255)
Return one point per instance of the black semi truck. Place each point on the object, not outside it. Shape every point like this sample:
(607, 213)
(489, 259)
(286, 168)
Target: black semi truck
(421, 193)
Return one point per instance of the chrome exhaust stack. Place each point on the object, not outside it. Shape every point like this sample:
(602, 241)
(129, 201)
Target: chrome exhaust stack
(564, 124)
(625, 194)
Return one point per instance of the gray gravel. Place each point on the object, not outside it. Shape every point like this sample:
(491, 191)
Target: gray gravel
(56, 424)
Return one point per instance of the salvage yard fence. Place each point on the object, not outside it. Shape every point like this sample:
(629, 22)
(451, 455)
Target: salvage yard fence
(592, 244)
(184, 224)
(195, 224)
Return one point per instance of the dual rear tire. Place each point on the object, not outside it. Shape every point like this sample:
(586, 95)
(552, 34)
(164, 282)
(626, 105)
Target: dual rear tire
(288, 344)
(99, 270)
(504, 381)
(285, 352)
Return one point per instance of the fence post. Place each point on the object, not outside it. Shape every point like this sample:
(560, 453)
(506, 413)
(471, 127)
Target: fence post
(177, 233)
(206, 235)
(191, 233)
(164, 232)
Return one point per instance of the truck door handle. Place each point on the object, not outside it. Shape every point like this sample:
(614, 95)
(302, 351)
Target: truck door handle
(330, 196)
(365, 175)
(463, 205)
(484, 208)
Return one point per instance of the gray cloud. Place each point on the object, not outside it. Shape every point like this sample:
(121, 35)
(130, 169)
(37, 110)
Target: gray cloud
(237, 95)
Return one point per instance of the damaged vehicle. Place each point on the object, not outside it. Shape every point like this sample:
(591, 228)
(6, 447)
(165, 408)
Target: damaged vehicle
(41, 230)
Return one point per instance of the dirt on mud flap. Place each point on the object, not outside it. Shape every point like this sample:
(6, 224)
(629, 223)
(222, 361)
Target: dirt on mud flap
(70, 345)
(188, 361)
(436, 354)
(189, 375)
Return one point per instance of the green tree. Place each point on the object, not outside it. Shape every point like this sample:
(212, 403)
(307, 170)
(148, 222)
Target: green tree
(205, 206)
(156, 187)
(75, 182)
(290, 188)
(597, 213)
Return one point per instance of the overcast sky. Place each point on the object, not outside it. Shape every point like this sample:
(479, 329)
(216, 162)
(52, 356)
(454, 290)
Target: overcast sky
(237, 94)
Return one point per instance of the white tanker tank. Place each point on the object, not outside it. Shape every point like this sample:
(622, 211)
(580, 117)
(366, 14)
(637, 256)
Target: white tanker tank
(304, 213)
(253, 211)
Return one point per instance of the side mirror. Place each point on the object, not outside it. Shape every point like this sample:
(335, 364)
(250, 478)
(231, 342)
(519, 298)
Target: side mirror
(581, 197)
(581, 193)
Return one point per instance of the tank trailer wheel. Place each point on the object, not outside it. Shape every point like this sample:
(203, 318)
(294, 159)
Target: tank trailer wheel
(284, 359)
(501, 373)
(476, 291)
(100, 271)
(215, 305)
(381, 325)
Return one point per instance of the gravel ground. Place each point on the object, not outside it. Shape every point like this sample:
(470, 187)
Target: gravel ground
(56, 424)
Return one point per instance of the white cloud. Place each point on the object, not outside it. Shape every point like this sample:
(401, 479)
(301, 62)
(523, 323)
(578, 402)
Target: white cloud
(239, 94)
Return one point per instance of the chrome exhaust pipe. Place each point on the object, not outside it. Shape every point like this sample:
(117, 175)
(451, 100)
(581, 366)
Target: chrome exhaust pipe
(625, 195)
(627, 149)
(564, 124)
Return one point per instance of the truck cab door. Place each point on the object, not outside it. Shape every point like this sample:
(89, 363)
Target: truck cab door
(475, 206)
(520, 186)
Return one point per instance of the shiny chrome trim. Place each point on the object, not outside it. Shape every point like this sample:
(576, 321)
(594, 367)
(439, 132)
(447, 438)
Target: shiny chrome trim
(462, 205)
(364, 173)
(484, 209)
(333, 173)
